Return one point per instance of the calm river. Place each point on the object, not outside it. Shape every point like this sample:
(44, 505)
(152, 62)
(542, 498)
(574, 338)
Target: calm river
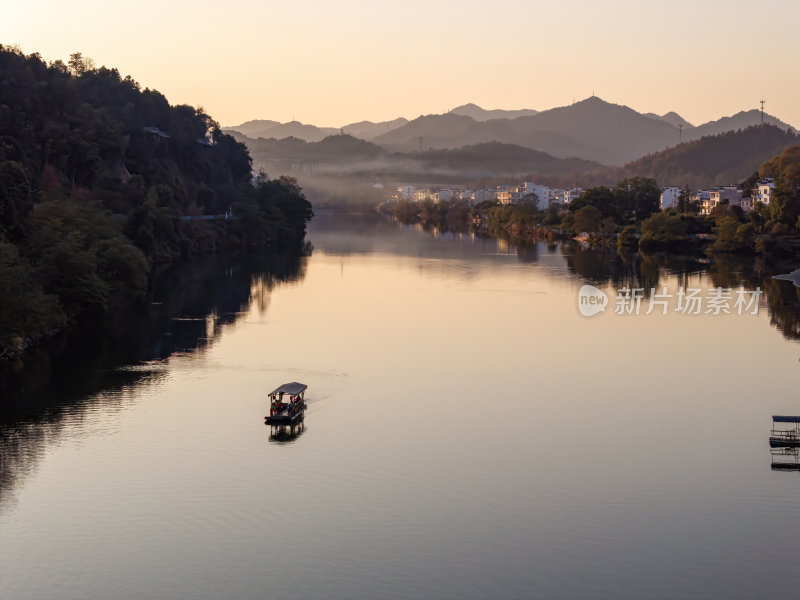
(469, 433)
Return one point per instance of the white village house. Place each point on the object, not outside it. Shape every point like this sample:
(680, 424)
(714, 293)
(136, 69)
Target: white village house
(669, 197)
(764, 190)
(719, 195)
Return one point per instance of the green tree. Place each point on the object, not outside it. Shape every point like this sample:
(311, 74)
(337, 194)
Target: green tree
(602, 198)
(587, 219)
(80, 256)
(731, 236)
(79, 64)
(685, 204)
(627, 238)
(663, 227)
(759, 215)
(553, 214)
(785, 170)
(406, 211)
(16, 199)
(638, 197)
(726, 209)
(25, 310)
(748, 184)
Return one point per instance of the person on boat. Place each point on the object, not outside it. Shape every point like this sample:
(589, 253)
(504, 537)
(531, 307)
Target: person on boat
(276, 406)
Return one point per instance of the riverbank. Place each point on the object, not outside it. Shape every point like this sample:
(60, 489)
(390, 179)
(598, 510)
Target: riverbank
(666, 231)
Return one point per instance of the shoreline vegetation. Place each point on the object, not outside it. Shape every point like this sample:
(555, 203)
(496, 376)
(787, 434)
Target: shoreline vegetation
(100, 180)
(628, 216)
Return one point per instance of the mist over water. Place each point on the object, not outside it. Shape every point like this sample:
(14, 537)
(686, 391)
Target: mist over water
(469, 434)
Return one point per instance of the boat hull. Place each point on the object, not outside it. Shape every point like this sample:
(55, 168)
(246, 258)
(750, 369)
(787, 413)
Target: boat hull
(284, 418)
(778, 442)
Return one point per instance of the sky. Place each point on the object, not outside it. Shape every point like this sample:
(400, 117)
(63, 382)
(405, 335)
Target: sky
(333, 63)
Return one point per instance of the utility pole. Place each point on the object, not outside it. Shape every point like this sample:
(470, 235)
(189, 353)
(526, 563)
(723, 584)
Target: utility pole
(762, 112)
(420, 143)
(680, 133)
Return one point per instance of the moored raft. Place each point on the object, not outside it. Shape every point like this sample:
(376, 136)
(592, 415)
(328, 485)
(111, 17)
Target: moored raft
(785, 432)
(289, 411)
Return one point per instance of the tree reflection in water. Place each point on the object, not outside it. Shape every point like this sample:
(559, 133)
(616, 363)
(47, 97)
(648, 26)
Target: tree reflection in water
(636, 270)
(284, 434)
(606, 266)
(189, 305)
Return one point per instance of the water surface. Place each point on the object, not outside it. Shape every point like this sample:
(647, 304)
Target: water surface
(469, 434)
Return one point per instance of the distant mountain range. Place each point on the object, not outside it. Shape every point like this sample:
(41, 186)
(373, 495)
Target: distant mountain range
(332, 149)
(262, 128)
(365, 130)
(327, 165)
(592, 130)
(481, 114)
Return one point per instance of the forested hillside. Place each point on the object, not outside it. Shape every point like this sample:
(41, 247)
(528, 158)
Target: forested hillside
(98, 177)
(713, 160)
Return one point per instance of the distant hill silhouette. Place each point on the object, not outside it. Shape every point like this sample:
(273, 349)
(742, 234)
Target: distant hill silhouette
(726, 158)
(345, 146)
(617, 132)
(264, 128)
(443, 131)
(672, 118)
(309, 133)
(334, 148)
(481, 114)
(367, 130)
(740, 120)
(254, 129)
(495, 158)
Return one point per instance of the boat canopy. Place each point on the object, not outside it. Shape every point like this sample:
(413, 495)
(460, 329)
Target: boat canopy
(785, 419)
(292, 389)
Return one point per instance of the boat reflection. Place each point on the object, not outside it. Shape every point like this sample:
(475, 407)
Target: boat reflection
(785, 459)
(285, 434)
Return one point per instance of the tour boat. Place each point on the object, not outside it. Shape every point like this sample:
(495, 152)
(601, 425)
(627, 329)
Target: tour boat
(787, 434)
(287, 412)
